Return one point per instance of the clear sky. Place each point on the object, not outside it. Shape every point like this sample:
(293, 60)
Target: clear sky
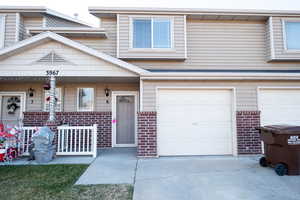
(81, 6)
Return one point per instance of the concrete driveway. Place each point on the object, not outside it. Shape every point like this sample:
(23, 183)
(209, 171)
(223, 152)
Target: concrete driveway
(211, 178)
(189, 178)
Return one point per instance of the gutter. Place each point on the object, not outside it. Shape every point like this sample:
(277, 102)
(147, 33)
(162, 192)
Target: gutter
(192, 11)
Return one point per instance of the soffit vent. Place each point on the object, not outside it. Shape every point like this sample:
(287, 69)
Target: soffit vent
(53, 59)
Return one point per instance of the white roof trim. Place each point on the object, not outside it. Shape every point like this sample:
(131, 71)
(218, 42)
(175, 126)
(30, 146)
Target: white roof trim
(259, 12)
(60, 15)
(220, 76)
(42, 9)
(76, 45)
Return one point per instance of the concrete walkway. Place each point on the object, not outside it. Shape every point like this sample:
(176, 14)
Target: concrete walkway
(112, 166)
(56, 160)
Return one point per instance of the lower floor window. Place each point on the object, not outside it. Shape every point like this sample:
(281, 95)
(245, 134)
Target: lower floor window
(85, 99)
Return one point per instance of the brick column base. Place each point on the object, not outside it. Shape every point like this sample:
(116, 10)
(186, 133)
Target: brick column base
(147, 142)
(248, 137)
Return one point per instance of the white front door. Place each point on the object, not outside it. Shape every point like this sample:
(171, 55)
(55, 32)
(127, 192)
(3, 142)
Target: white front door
(124, 119)
(279, 106)
(195, 122)
(12, 106)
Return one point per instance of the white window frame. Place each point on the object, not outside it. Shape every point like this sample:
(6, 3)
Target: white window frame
(284, 21)
(131, 20)
(93, 98)
(61, 100)
(2, 30)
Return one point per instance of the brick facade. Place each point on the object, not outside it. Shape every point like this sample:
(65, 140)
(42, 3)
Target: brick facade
(147, 140)
(248, 137)
(103, 119)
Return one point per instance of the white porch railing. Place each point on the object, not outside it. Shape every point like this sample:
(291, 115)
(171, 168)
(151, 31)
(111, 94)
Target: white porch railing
(25, 139)
(77, 140)
(71, 140)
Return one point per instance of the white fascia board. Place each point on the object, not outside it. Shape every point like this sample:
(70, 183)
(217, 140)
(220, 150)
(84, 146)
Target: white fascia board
(66, 17)
(192, 11)
(76, 45)
(221, 76)
(42, 9)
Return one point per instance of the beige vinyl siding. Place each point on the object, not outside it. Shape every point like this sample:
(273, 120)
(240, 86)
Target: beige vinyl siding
(10, 29)
(279, 47)
(268, 41)
(69, 92)
(178, 52)
(106, 45)
(216, 44)
(246, 91)
(52, 21)
(22, 29)
(100, 104)
(32, 103)
(78, 63)
(33, 22)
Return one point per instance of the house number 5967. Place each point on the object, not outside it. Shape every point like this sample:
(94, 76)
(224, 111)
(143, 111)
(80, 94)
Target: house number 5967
(52, 72)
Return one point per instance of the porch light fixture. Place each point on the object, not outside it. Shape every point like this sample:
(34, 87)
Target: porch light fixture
(31, 92)
(106, 91)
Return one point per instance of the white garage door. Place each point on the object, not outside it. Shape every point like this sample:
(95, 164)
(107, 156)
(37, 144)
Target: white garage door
(279, 106)
(194, 122)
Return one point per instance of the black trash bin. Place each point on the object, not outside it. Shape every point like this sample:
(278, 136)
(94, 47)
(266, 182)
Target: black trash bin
(282, 148)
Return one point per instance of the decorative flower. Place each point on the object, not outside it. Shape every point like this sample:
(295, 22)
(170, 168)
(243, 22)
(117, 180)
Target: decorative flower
(48, 99)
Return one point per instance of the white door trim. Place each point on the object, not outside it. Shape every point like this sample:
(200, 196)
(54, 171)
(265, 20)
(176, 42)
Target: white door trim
(22, 97)
(114, 112)
(233, 118)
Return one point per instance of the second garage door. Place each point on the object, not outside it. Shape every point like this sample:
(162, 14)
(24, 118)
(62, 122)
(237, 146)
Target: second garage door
(194, 122)
(279, 106)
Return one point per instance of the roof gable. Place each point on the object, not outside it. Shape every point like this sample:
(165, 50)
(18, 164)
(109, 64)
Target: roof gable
(47, 36)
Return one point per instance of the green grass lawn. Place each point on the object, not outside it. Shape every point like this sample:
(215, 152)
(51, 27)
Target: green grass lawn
(51, 182)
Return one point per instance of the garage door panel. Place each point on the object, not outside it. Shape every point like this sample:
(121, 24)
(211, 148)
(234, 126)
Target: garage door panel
(280, 106)
(218, 113)
(194, 122)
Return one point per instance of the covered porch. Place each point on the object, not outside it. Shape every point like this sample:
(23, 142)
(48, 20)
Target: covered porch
(106, 116)
(89, 89)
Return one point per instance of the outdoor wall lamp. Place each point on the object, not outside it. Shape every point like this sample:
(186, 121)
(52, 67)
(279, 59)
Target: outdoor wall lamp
(106, 91)
(31, 92)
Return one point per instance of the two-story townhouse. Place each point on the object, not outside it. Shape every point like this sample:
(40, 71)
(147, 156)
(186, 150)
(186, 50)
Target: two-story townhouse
(168, 81)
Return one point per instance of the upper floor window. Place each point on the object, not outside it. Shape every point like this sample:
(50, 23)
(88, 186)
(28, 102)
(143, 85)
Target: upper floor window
(292, 33)
(2, 30)
(85, 99)
(151, 33)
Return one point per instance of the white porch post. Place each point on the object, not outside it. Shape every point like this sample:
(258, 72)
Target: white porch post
(52, 99)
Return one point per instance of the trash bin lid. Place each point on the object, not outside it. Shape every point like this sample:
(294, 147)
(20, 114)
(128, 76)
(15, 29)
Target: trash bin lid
(282, 129)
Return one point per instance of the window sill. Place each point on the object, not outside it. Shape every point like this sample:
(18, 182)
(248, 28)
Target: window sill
(287, 51)
(151, 50)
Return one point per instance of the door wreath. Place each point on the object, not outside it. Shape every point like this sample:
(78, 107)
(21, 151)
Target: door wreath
(13, 104)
